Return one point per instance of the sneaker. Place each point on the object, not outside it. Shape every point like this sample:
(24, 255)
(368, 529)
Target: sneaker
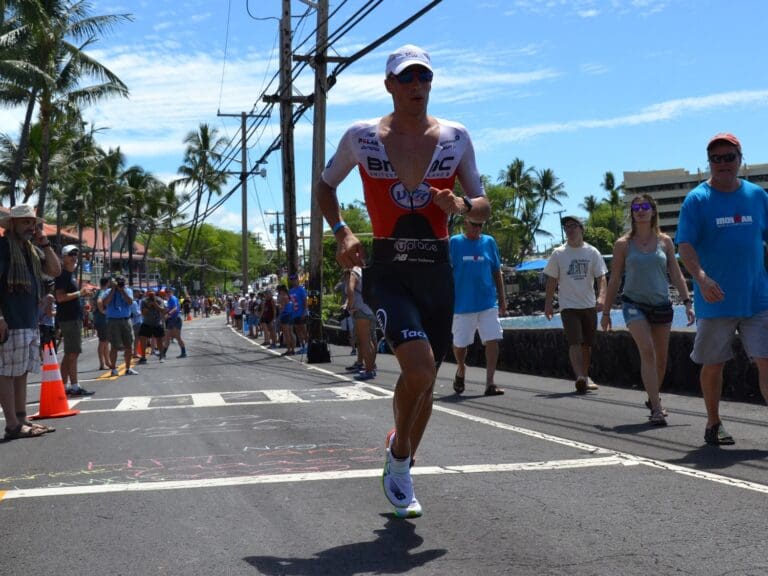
(581, 385)
(717, 436)
(131, 372)
(413, 510)
(657, 417)
(356, 367)
(302, 350)
(114, 372)
(162, 360)
(79, 392)
(364, 375)
(142, 361)
(591, 385)
(182, 355)
(396, 478)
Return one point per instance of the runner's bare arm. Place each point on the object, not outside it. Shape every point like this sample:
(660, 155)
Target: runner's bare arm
(349, 250)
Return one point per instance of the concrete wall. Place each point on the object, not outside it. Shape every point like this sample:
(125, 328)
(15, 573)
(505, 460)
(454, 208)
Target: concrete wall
(615, 361)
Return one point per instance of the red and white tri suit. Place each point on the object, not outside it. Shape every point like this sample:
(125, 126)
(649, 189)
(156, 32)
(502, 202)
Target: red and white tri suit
(410, 280)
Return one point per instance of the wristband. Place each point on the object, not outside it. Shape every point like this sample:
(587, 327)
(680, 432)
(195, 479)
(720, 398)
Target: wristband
(467, 203)
(687, 301)
(338, 226)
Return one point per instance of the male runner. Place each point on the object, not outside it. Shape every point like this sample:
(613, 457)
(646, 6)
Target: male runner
(408, 162)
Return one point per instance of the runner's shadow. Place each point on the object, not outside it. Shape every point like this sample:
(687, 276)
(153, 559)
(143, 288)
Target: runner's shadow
(714, 457)
(390, 553)
(635, 428)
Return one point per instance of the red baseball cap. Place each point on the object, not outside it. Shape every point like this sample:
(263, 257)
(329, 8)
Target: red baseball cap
(724, 137)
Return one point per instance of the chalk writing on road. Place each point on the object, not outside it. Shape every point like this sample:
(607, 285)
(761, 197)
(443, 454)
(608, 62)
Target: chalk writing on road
(196, 426)
(251, 461)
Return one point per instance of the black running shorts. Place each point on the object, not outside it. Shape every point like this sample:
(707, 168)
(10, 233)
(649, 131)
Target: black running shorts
(412, 302)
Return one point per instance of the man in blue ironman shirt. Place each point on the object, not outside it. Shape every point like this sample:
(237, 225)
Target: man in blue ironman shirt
(721, 234)
(478, 301)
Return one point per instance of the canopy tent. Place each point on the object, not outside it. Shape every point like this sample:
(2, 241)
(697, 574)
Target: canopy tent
(532, 265)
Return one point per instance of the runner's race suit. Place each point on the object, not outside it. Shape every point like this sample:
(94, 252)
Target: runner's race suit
(409, 281)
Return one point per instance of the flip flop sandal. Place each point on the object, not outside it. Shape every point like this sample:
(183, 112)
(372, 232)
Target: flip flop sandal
(458, 384)
(493, 391)
(19, 432)
(44, 427)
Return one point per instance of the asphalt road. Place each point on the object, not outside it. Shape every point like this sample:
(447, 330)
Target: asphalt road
(236, 461)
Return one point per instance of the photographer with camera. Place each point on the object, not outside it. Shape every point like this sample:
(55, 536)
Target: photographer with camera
(117, 302)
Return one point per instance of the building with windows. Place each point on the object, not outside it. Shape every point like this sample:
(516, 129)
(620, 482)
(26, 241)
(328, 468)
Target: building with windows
(670, 187)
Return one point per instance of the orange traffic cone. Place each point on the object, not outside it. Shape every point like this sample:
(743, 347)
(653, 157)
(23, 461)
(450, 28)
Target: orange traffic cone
(53, 397)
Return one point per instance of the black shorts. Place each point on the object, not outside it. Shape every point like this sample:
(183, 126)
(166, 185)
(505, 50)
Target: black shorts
(412, 302)
(101, 332)
(149, 331)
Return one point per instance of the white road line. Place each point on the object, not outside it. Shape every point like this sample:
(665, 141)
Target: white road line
(203, 400)
(134, 403)
(213, 399)
(310, 477)
(282, 396)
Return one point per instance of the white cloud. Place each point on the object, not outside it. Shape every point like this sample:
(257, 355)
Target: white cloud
(651, 114)
(594, 69)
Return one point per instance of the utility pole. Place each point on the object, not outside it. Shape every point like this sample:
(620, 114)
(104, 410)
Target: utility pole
(244, 193)
(286, 100)
(304, 221)
(558, 212)
(315, 284)
(276, 228)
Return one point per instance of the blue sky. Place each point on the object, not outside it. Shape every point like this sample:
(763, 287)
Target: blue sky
(580, 86)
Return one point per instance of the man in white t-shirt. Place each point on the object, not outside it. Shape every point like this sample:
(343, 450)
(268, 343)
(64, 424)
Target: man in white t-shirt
(573, 269)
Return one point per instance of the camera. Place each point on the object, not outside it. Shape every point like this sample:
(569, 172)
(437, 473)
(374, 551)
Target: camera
(120, 281)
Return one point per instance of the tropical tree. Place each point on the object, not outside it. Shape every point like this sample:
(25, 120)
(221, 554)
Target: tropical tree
(199, 172)
(590, 204)
(614, 201)
(519, 179)
(19, 78)
(54, 46)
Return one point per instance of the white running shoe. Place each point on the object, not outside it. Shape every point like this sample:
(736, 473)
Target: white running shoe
(396, 479)
(413, 510)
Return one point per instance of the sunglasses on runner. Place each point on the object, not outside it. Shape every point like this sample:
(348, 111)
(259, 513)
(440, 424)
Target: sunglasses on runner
(720, 158)
(641, 206)
(424, 76)
(476, 224)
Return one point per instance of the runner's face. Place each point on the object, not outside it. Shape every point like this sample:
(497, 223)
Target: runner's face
(413, 95)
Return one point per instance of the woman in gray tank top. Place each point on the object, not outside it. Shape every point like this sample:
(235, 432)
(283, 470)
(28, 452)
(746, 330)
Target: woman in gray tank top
(646, 260)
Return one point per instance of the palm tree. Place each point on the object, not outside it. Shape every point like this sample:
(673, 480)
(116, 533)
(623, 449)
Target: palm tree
(520, 180)
(613, 199)
(548, 188)
(203, 153)
(590, 204)
(19, 77)
(63, 65)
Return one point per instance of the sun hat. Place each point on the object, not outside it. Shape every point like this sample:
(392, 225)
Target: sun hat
(405, 56)
(19, 211)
